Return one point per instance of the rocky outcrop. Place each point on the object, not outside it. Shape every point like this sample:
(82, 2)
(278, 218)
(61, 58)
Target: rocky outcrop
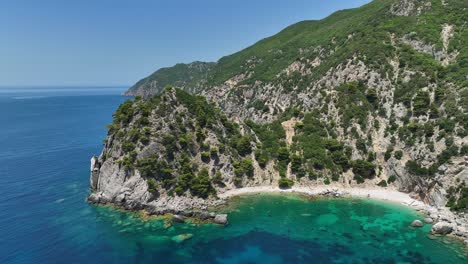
(442, 228)
(221, 219)
(417, 223)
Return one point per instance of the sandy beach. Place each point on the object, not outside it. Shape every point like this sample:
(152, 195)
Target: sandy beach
(377, 193)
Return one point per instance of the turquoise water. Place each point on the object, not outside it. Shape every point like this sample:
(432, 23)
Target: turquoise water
(46, 140)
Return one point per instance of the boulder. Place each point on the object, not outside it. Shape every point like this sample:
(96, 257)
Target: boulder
(181, 238)
(178, 218)
(417, 223)
(428, 220)
(186, 213)
(94, 198)
(205, 215)
(442, 228)
(221, 219)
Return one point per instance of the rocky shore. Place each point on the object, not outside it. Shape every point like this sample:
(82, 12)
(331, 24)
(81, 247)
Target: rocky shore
(443, 221)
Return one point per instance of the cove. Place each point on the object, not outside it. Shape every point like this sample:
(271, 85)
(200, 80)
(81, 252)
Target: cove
(286, 228)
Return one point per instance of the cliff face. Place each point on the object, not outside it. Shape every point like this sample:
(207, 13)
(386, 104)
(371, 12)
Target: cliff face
(374, 96)
(173, 153)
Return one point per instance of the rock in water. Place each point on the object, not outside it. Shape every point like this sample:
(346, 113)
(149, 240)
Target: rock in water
(417, 223)
(221, 219)
(178, 219)
(182, 238)
(442, 228)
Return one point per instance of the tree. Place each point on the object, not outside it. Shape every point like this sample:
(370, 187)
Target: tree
(243, 146)
(364, 169)
(285, 183)
(201, 185)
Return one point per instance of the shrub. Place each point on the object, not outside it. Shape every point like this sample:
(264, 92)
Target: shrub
(364, 168)
(152, 185)
(421, 103)
(382, 183)
(339, 158)
(326, 181)
(391, 179)
(237, 181)
(205, 156)
(296, 163)
(243, 146)
(128, 146)
(124, 113)
(218, 178)
(248, 168)
(285, 183)
(359, 179)
(214, 152)
(335, 177)
(464, 150)
(371, 95)
(261, 157)
(388, 154)
(201, 185)
(398, 154)
(414, 168)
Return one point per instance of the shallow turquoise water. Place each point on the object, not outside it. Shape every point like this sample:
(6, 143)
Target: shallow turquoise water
(274, 228)
(46, 140)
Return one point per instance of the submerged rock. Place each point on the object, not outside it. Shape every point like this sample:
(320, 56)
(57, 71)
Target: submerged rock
(417, 223)
(181, 238)
(221, 219)
(178, 219)
(442, 228)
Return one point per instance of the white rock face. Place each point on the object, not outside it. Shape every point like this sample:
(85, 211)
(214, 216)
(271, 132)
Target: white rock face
(442, 228)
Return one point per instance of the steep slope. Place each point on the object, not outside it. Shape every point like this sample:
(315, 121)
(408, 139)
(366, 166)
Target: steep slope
(373, 96)
(189, 76)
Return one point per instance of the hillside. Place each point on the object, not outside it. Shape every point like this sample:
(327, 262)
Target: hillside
(375, 96)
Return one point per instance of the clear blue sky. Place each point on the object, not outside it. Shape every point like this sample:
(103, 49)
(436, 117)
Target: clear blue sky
(117, 42)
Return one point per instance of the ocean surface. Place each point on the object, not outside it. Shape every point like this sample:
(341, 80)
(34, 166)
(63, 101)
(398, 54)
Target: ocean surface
(47, 137)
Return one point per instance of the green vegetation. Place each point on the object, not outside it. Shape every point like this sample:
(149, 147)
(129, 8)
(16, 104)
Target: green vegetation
(414, 168)
(382, 183)
(201, 185)
(270, 136)
(285, 183)
(364, 169)
(243, 146)
(458, 198)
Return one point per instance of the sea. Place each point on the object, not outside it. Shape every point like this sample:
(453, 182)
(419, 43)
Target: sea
(49, 134)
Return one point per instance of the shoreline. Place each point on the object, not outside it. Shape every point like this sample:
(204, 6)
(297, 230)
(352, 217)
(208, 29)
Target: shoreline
(443, 221)
(441, 215)
(380, 194)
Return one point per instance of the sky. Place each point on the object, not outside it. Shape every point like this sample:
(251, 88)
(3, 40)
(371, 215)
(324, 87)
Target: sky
(118, 42)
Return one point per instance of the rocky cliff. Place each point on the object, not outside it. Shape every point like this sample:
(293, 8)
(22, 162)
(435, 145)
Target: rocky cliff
(374, 96)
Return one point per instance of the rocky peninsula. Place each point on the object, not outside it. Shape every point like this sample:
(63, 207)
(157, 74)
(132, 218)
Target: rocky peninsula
(368, 104)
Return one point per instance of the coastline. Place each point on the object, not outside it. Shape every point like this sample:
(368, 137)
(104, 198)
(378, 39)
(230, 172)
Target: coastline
(387, 195)
(441, 218)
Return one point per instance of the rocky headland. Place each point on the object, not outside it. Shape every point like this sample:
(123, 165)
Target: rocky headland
(369, 102)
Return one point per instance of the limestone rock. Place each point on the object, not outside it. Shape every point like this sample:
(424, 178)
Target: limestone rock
(428, 220)
(417, 223)
(442, 228)
(221, 219)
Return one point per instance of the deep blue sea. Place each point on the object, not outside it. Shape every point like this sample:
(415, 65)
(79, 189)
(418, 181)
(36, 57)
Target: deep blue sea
(47, 137)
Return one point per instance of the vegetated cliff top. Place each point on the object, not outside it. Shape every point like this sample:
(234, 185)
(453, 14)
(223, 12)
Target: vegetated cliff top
(367, 32)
